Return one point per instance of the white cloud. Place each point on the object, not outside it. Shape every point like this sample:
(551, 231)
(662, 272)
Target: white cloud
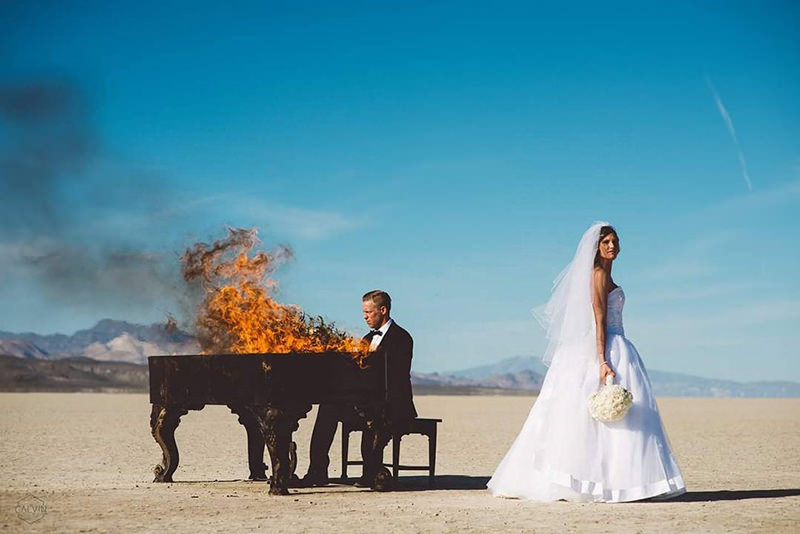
(754, 339)
(301, 222)
(736, 328)
(694, 258)
(780, 195)
(688, 292)
(294, 222)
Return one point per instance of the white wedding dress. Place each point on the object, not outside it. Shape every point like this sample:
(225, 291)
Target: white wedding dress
(562, 453)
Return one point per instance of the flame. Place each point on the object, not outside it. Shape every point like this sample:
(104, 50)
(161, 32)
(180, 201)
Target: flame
(238, 313)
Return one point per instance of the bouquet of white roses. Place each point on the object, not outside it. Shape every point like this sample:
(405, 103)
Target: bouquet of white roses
(610, 403)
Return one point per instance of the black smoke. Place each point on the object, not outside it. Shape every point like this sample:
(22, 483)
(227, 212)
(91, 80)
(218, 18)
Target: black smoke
(47, 145)
(56, 198)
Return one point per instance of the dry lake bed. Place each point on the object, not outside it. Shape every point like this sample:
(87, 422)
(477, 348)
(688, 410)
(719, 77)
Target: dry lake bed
(82, 462)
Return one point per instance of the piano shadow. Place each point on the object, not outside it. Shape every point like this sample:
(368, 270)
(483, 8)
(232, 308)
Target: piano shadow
(404, 483)
(442, 482)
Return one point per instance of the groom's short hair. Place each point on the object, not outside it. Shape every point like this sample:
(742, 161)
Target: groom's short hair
(380, 298)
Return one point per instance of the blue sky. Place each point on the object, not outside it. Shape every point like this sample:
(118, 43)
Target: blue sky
(450, 153)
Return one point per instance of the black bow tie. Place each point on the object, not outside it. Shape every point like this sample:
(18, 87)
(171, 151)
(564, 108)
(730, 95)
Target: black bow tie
(374, 333)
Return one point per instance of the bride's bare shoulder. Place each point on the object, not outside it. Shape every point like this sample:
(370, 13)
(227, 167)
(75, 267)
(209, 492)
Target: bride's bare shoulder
(600, 276)
(601, 283)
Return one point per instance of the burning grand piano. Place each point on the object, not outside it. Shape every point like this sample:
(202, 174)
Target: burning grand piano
(267, 361)
(270, 393)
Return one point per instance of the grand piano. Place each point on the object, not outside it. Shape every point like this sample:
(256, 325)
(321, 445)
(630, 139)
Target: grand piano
(270, 393)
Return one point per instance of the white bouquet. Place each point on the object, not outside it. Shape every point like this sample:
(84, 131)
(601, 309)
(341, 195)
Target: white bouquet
(610, 403)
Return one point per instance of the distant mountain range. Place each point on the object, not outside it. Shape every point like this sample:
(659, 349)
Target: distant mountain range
(71, 374)
(108, 340)
(112, 356)
(527, 372)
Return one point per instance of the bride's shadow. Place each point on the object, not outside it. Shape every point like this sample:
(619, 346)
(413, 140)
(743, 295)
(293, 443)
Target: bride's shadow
(734, 495)
(460, 482)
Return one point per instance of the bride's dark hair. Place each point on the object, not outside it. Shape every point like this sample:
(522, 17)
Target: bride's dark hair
(604, 231)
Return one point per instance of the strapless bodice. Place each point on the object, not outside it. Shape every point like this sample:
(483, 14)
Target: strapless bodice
(616, 301)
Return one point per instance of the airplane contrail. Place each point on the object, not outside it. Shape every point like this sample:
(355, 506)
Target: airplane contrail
(731, 130)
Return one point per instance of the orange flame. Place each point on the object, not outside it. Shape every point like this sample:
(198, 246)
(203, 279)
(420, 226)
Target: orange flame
(239, 315)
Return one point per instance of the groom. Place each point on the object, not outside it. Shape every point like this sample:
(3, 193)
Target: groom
(388, 336)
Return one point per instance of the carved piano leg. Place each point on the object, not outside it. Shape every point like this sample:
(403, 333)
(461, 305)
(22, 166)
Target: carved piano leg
(163, 422)
(277, 425)
(255, 442)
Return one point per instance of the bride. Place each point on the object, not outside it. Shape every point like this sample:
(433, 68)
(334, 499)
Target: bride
(561, 453)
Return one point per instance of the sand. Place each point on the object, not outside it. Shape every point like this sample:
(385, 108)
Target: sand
(83, 463)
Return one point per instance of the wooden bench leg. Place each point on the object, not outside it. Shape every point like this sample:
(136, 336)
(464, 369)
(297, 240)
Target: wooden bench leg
(432, 456)
(396, 455)
(345, 445)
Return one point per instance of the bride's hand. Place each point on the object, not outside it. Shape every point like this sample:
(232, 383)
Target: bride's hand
(606, 370)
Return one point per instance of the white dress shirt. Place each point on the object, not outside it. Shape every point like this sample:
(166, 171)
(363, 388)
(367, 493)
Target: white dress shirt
(376, 339)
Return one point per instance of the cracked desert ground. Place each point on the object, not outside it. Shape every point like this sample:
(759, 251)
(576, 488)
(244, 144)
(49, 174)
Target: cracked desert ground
(88, 459)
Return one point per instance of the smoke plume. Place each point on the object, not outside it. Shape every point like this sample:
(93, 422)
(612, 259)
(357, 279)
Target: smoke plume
(55, 201)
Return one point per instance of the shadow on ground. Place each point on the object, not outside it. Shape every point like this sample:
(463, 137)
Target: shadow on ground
(442, 482)
(463, 482)
(734, 495)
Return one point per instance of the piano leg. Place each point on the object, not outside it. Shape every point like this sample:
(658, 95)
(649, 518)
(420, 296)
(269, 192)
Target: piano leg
(255, 442)
(163, 422)
(277, 425)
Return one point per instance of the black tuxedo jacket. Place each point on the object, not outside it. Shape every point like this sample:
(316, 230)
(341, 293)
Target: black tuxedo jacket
(398, 346)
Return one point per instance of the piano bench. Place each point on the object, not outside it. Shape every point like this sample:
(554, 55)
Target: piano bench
(423, 426)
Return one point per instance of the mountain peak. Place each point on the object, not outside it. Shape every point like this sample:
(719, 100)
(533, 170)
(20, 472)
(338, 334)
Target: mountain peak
(107, 323)
(107, 339)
